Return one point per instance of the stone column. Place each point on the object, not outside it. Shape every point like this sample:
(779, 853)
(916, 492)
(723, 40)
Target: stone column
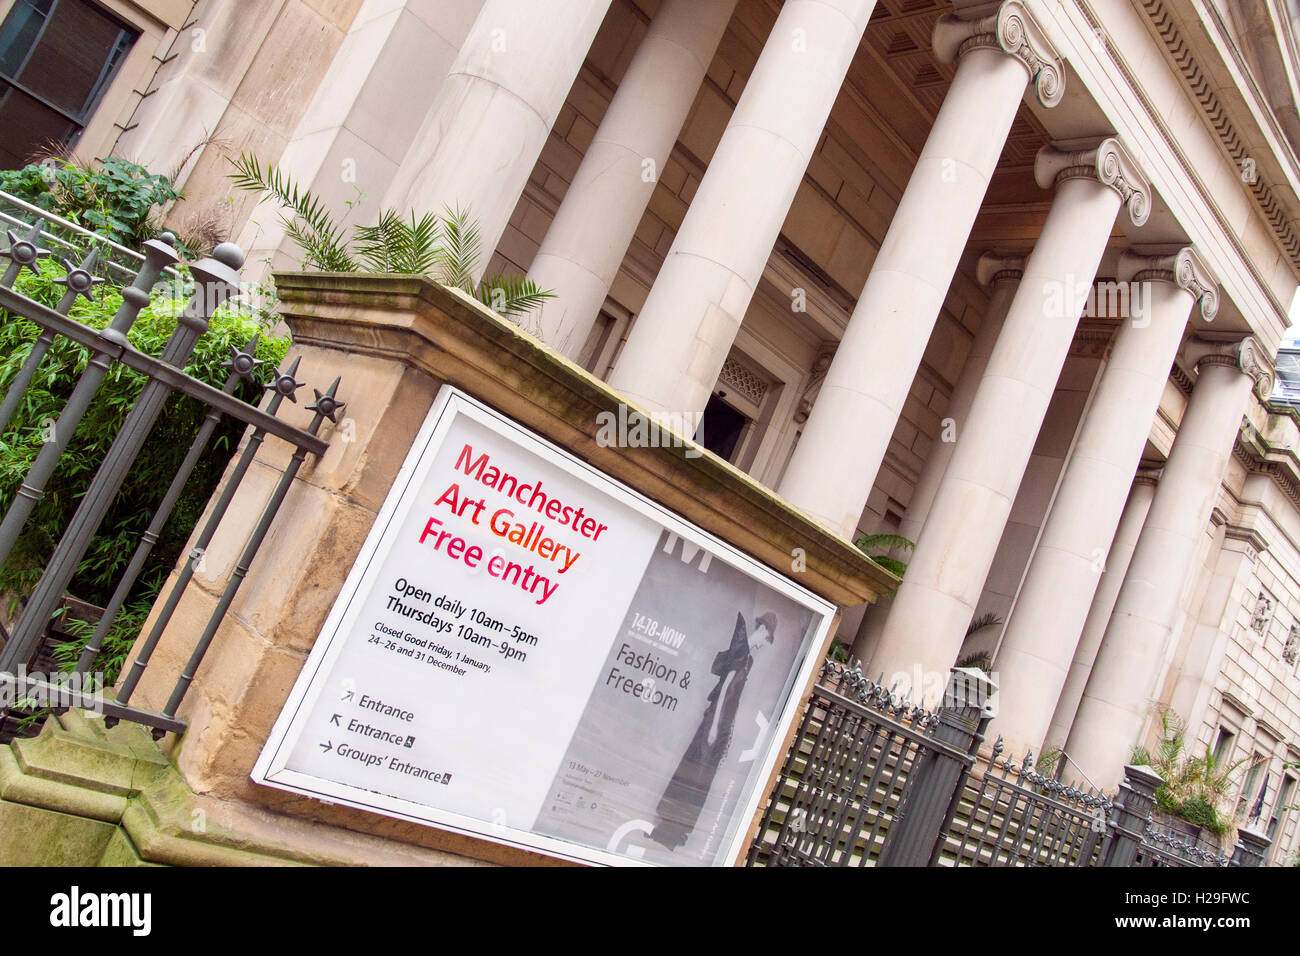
(1040, 638)
(1002, 276)
(831, 473)
(947, 571)
(362, 118)
(1230, 583)
(683, 333)
(1117, 698)
(494, 111)
(1103, 602)
(586, 242)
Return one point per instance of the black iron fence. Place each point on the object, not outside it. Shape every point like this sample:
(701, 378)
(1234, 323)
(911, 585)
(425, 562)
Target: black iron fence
(874, 780)
(1011, 815)
(215, 279)
(842, 782)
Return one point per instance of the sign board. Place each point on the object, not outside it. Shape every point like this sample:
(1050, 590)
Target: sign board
(529, 652)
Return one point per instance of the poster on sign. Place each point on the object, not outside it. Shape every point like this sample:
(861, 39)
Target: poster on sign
(530, 652)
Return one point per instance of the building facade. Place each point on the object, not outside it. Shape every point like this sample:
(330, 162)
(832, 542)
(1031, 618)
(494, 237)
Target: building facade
(1006, 279)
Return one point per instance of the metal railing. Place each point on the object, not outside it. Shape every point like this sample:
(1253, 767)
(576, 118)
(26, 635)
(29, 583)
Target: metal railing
(1014, 816)
(66, 239)
(215, 281)
(873, 780)
(1162, 847)
(844, 779)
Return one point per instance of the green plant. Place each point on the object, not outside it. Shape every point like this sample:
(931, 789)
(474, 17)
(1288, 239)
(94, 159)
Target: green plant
(1047, 760)
(443, 247)
(868, 543)
(168, 441)
(1195, 788)
(117, 642)
(838, 651)
(982, 660)
(116, 198)
(1197, 810)
(978, 623)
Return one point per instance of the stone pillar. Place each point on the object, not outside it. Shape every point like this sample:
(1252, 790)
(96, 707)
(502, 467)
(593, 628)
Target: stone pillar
(683, 333)
(482, 136)
(1130, 815)
(363, 117)
(1067, 410)
(937, 779)
(1251, 848)
(1002, 276)
(1117, 698)
(1042, 634)
(831, 475)
(586, 242)
(1233, 567)
(952, 559)
(1103, 602)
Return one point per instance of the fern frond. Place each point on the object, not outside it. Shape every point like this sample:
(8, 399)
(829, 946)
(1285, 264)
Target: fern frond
(512, 295)
(988, 619)
(423, 249)
(378, 247)
(884, 542)
(305, 220)
(892, 565)
(460, 252)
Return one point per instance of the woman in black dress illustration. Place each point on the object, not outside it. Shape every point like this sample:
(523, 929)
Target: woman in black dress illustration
(684, 798)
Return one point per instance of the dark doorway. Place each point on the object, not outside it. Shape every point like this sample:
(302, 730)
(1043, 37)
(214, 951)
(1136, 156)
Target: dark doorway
(721, 428)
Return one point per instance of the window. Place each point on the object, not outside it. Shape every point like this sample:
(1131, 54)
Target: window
(1223, 746)
(1279, 807)
(1250, 798)
(56, 59)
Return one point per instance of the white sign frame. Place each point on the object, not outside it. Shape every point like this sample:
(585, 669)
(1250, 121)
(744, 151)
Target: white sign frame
(271, 770)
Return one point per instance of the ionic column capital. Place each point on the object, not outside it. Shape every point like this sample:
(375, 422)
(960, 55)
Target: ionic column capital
(1108, 162)
(1246, 355)
(1013, 30)
(1183, 268)
(991, 269)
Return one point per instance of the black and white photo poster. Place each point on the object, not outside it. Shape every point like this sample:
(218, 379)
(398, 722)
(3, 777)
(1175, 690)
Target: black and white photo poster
(528, 651)
(675, 726)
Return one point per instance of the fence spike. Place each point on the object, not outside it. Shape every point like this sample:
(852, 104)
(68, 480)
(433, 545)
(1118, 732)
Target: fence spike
(285, 383)
(243, 362)
(23, 252)
(326, 404)
(79, 280)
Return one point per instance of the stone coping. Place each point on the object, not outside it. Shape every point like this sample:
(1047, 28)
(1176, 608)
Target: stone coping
(455, 339)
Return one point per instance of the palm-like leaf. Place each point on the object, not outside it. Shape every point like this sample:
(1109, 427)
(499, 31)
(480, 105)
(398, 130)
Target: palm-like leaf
(512, 295)
(988, 619)
(446, 248)
(884, 542)
(308, 223)
(892, 565)
(460, 250)
(397, 246)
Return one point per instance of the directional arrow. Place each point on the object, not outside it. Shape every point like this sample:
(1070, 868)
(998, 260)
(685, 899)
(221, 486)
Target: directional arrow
(326, 747)
(348, 696)
(335, 720)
